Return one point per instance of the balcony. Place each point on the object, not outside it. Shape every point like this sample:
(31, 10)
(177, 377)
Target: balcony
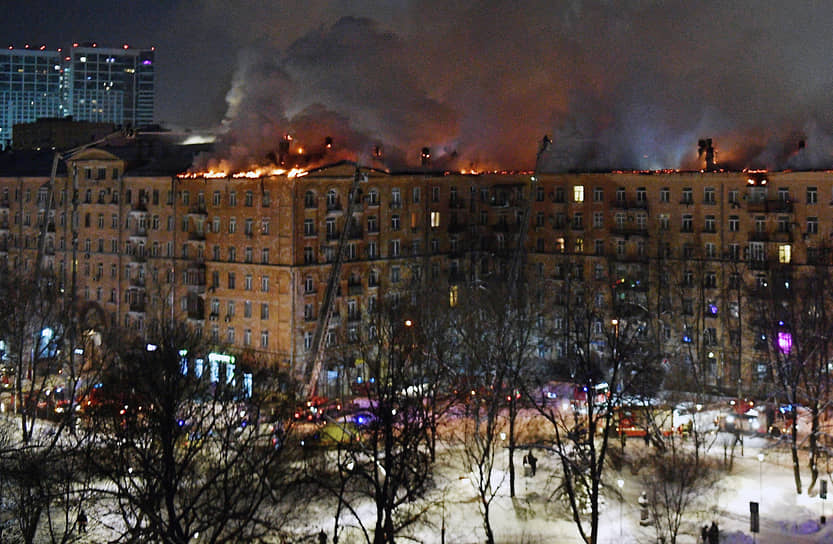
(355, 233)
(197, 209)
(629, 231)
(139, 232)
(333, 236)
(137, 281)
(770, 206)
(195, 236)
(354, 288)
(139, 257)
(334, 206)
(623, 204)
(137, 306)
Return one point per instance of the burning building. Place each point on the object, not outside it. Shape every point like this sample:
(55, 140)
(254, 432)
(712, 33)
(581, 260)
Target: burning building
(247, 259)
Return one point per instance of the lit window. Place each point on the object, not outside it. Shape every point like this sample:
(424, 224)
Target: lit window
(578, 193)
(452, 296)
(784, 253)
(435, 219)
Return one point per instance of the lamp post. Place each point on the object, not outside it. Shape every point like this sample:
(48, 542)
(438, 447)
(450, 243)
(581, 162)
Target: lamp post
(760, 476)
(621, 483)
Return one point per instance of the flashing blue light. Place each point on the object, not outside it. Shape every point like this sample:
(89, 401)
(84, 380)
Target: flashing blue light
(687, 339)
(780, 323)
(180, 422)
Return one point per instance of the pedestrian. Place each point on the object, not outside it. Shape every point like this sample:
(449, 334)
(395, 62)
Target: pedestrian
(82, 521)
(533, 462)
(704, 534)
(714, 534)
(322, 537)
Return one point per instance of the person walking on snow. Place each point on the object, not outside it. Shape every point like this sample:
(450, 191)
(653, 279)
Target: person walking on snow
(533, 462)
(82, 521)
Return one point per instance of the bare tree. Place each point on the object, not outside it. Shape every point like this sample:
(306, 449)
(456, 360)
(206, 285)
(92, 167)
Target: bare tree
(391, 465)
(607, 348)
(182, 451)
(678, 480)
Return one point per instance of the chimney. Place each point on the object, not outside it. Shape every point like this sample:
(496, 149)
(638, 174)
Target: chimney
(425, 157)
(705, 148)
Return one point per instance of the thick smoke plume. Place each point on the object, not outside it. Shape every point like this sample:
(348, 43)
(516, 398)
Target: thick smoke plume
(616, 85)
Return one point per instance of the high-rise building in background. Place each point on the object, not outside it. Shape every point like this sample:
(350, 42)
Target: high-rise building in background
(114, 85)
(87, 83)
(30, 88)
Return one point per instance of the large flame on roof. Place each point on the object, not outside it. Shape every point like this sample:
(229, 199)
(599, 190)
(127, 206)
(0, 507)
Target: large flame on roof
(248, 174)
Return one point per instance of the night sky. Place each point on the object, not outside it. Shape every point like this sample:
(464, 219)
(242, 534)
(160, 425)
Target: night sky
(616, 84)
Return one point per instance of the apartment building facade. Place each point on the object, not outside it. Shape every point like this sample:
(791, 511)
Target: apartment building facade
(247, 261)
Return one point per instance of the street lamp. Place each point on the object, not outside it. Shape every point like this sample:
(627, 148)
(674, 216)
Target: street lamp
(621, 483)
(760, 476)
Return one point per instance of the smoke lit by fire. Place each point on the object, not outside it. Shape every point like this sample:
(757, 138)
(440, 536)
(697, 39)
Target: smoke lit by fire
(622, 85)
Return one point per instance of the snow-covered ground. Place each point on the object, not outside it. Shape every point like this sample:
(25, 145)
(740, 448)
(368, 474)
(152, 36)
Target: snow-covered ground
(531, 518)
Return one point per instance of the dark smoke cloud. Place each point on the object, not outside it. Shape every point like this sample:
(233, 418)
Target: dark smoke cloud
(617, 85)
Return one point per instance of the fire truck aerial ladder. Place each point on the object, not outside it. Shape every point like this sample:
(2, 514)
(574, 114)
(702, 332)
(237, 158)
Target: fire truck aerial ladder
(519, 261)
(318, 350)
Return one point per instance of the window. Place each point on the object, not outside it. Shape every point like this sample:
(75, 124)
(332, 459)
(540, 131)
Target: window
(230, 335)
(231, 280)
(372, 225)
(417, 194)
(308, 255)
(248, 282)
(598, 248)
(709, 224)
(249, 199)
(783, 223)
(578, 221)
(264, 284)
(711, 250)
(232, 254)
(395, 222)
(664, 221)
(687, 196)
(216, 199)
(784, 253)
(330, 225)
(435, 194)
(309, 285)
(309, 227)
(264, 255)
(248, 255)
(394, 248)
(598, 220)
(249, 228)
(812, 225)
(186, 198)
(372, 249)
(247, 309)
(232, 225)
(783, 194)
(734, 196)
(620, 219)
(309, 200)
(373, 197)
(578, 193)
(396, 197)
(598, 194)
(665, 194)
(394, 274)
(687, 223)
(708, 195)
(620, 195)
(264, 225)
(812, 195)
(232, 198)
(734, 252)
(641, 194)
(559, 195)
(232, 305)
(734, 223)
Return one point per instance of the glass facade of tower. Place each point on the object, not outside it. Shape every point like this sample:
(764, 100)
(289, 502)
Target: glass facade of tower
(30, 88)
(113, 85)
